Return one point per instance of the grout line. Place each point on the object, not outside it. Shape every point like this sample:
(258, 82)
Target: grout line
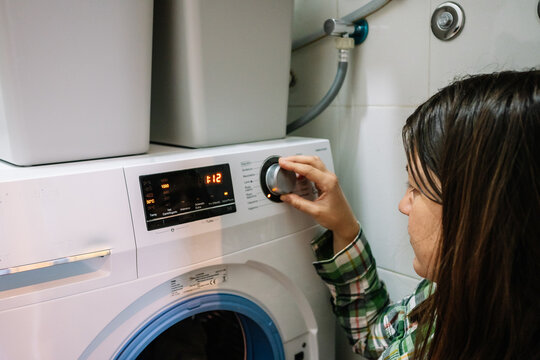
(397, 273)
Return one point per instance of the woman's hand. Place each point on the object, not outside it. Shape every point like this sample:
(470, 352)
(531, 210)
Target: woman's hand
(330, 209)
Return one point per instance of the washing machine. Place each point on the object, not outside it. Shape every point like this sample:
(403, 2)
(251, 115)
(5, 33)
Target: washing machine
(178, 253)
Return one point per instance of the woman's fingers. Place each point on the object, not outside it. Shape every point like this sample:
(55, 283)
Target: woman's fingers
(314, 161)
(310, 167)
(299, 203)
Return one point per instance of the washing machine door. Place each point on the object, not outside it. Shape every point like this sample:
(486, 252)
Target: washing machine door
(208, 327)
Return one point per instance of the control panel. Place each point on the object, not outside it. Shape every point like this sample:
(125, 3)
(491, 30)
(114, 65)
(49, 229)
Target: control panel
(182, 196)
(244, 182)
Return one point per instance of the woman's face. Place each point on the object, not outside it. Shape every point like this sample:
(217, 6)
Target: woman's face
(424, 228)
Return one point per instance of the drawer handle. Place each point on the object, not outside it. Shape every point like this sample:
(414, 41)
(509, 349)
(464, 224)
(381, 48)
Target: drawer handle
(54, 262)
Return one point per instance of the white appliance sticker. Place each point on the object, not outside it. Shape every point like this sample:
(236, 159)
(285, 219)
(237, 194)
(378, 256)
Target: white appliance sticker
(206, 279)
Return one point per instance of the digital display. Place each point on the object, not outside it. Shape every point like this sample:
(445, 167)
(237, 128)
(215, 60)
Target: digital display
(183, 196)
(213, 178)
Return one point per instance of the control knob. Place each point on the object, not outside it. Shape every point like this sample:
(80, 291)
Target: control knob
(276, 181)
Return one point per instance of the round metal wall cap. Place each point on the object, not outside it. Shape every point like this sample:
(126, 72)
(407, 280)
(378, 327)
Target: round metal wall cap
(447, 21)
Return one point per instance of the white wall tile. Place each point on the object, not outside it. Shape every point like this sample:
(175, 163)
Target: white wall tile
(375, 180)
(498, 35)
(391, 66)
(398, 285)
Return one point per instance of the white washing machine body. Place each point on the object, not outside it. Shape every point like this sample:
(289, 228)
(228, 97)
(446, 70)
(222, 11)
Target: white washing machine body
(100, 258)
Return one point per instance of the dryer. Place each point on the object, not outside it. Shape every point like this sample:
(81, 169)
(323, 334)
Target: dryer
(178, 252)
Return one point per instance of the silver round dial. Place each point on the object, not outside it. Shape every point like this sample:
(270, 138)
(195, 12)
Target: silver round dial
(280, 181)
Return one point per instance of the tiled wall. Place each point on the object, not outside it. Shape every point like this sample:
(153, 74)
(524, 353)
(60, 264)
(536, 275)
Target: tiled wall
(398, 67)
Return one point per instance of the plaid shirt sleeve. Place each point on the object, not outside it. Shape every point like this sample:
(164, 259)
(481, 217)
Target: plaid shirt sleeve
(375, 327)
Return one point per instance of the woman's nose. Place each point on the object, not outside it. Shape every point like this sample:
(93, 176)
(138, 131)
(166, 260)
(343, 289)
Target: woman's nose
(404, 205)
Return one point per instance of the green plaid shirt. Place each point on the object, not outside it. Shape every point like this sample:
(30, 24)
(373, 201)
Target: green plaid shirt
(375, 327)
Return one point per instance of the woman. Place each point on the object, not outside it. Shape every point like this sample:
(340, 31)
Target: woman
(473, 202)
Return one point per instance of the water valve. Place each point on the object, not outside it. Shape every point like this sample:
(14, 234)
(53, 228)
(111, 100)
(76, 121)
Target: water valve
(358, 30)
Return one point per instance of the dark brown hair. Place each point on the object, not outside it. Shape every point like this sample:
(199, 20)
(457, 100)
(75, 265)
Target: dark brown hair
(478, 143)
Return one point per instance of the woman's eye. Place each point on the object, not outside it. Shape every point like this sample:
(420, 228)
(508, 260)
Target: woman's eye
(412, 190)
